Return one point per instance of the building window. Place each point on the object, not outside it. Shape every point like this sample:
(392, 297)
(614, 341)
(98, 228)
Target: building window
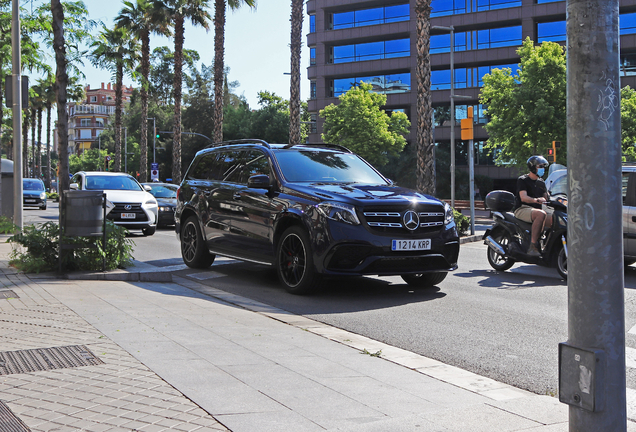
(93, 98)
(313, 128)
(312, 23)
(109, 98)
(478, 39)
(85, 122)
(312, 56)
(384, 84)
(465, 77)
(627, 23)
(366, 17)
(85, 134)
(371, 51)
(456, 7)
(628, 65)
(312, 89)
(551, 31)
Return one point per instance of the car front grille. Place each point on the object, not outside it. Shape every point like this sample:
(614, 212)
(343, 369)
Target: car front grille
(115, 213)
(428, 218)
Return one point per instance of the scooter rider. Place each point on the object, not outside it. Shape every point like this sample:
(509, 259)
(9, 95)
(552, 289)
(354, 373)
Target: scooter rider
(531, 193)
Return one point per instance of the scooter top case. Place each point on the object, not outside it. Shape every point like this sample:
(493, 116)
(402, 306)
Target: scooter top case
(500, 200)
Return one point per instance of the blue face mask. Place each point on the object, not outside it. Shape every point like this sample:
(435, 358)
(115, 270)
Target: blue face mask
(540, 172)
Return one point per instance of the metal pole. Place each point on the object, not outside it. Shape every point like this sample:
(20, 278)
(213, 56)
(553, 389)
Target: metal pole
(17, 115)
(154, 139)
(596, 315)
(126, 150)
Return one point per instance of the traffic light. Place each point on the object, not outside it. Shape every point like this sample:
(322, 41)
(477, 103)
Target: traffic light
(551, 151)
(156, 133)
(467, 125)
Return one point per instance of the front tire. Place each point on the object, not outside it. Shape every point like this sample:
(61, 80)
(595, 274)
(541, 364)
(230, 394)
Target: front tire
(497, 261)
(295, 263)
(424, 280)
(561, 263)
(194, 252)
(149, 231)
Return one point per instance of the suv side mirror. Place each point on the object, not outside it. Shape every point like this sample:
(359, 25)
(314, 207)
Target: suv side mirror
(258, 181)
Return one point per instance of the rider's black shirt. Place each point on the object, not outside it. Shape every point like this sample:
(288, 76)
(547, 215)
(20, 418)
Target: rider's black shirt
(534, 189)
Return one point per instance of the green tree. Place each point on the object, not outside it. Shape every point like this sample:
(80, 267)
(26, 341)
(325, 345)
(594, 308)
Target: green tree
(89, 160)
(527, 111)
(141, 18)
(628, 122)
(177, 12)
(116, 51)
(219, 65)
(162, 72)
(359, 123)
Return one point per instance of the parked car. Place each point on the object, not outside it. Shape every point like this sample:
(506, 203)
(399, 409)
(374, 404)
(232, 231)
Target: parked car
(310, 211)
(135, 207)
(33, 193)
(558, 186)
(166, 196)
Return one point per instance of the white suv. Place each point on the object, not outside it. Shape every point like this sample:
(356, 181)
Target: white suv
(135, 207)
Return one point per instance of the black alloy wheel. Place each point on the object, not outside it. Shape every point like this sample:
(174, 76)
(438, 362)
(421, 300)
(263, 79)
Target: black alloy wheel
(424, 280)
(294, 262)
(495, 260)
(193, 250)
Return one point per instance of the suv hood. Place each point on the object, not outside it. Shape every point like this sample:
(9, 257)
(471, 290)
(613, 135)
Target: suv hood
(121, 196)
(362, 194)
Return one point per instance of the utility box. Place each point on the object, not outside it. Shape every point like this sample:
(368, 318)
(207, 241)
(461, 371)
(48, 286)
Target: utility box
(582, 377)
(7, 189)
(83, 213)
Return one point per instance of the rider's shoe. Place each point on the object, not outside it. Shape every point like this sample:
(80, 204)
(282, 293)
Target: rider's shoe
(533, 251)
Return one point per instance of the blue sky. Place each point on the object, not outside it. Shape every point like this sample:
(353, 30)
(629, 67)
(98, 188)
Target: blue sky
(256, 47)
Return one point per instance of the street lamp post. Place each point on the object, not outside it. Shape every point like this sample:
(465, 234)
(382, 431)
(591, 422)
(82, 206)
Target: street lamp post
(451, 30)
(154, 137)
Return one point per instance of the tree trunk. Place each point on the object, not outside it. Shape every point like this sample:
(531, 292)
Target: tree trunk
(294, 90)
(219, 48)
(143, 141)
(61, 82)
(118, 108)
(425, 144)
(48, 145)
(39, 144)
(178, 80)
(34, 168)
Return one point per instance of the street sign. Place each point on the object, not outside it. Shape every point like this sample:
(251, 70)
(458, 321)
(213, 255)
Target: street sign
(108, 158)
(154, 175)
(154, 166)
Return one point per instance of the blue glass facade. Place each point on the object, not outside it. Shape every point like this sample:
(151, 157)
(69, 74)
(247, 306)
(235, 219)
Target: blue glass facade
(465, 77)
(456, 7)
(555, 30)
(371, 51)
(366, 17)
(478, 39)
(384, 84)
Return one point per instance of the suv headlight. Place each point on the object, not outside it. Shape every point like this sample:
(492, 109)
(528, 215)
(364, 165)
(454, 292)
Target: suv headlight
(339, 212)
(43, 195)
(448, 214)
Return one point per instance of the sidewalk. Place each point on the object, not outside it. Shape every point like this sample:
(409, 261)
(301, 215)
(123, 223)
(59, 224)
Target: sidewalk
(113, 355)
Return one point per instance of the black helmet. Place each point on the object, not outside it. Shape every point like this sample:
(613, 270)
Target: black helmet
(536, 162)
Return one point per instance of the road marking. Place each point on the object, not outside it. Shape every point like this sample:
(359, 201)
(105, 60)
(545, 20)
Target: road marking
(632, 330)
(630, 357)
(631, 403)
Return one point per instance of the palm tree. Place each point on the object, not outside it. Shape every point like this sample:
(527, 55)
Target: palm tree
(142, 18)
(219, 67)
(294, 89)
(178, 11)
(117, 51)
(48, 97)
(425, 145)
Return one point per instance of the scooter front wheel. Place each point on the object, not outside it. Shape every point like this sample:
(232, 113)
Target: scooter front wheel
(496, 261)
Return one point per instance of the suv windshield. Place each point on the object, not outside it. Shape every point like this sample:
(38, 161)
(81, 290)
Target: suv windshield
(326, 167)
(35, 185)
(99, 182)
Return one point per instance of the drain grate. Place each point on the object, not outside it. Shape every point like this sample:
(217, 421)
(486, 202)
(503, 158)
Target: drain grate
(9, 422)
(7, 294)
(42, 359)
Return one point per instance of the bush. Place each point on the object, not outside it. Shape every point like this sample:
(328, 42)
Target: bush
(462, 222)
(53, 196)
(36, 249)
(6, 225)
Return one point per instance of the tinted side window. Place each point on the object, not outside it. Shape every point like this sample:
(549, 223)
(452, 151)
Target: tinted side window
(250, 162)
(203, 168)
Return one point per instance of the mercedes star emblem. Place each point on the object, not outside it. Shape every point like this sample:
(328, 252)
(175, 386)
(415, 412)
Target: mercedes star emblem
(411, 220)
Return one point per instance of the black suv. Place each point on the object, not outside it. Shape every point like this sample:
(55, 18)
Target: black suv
(310, 210)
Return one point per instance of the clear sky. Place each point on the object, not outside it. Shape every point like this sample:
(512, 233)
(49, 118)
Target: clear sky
(256, 47)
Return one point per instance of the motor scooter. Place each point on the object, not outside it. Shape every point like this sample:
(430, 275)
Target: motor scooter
(509, 238)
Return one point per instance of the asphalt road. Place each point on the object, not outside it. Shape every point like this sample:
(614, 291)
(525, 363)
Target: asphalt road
(503, 325)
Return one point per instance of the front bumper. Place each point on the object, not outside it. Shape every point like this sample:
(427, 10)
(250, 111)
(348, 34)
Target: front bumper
(33, 201)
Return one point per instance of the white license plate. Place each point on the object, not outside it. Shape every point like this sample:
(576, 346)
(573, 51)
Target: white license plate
(128, 216)
(29, 200)
(411, 245)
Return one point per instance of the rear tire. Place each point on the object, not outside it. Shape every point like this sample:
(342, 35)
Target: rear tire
(495, 260)
(424, 280)
(194, 251)
(295, 262)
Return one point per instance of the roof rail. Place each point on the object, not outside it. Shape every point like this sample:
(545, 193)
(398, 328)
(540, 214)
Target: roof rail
(240, 141)
(332, 146)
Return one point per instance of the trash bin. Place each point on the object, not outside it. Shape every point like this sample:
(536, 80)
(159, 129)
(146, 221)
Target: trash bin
(83, 213)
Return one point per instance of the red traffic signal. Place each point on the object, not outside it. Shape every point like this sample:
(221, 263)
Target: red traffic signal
(549, 154)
